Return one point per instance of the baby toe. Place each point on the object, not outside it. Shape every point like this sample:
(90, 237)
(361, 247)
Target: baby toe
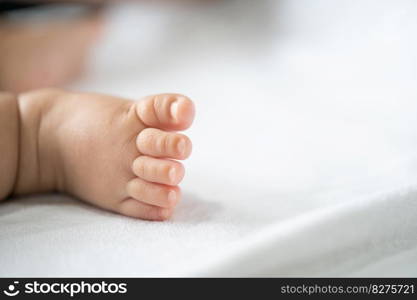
(153, 193)
(158, 170)
(158, 143)
(166, 111)
(133, 208)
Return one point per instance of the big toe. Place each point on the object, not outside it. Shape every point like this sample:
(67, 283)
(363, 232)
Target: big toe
(166, 111)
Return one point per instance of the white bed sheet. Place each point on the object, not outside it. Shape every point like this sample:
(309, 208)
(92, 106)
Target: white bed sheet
(305, 146)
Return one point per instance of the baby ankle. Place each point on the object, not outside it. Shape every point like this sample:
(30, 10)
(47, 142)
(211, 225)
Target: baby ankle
(36, 170)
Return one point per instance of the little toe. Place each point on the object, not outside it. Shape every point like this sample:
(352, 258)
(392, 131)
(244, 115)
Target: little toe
(133, 208)
(156, 170)
(153, 193)
(166, 111)
(158, 143)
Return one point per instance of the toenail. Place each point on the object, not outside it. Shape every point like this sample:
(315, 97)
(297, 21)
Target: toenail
(181, 146)
(174, 110)
(172, 196)
(172, 175)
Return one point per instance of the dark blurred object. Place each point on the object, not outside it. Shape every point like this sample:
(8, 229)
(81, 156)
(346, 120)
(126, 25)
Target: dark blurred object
(6, 6)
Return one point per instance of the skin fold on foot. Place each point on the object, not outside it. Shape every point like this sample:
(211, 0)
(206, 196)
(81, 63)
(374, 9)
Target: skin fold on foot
(117, 154)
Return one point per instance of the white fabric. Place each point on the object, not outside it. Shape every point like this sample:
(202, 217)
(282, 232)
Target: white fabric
(305, 146)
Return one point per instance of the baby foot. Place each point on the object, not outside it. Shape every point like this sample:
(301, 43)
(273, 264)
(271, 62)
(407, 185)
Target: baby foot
(114, 153)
